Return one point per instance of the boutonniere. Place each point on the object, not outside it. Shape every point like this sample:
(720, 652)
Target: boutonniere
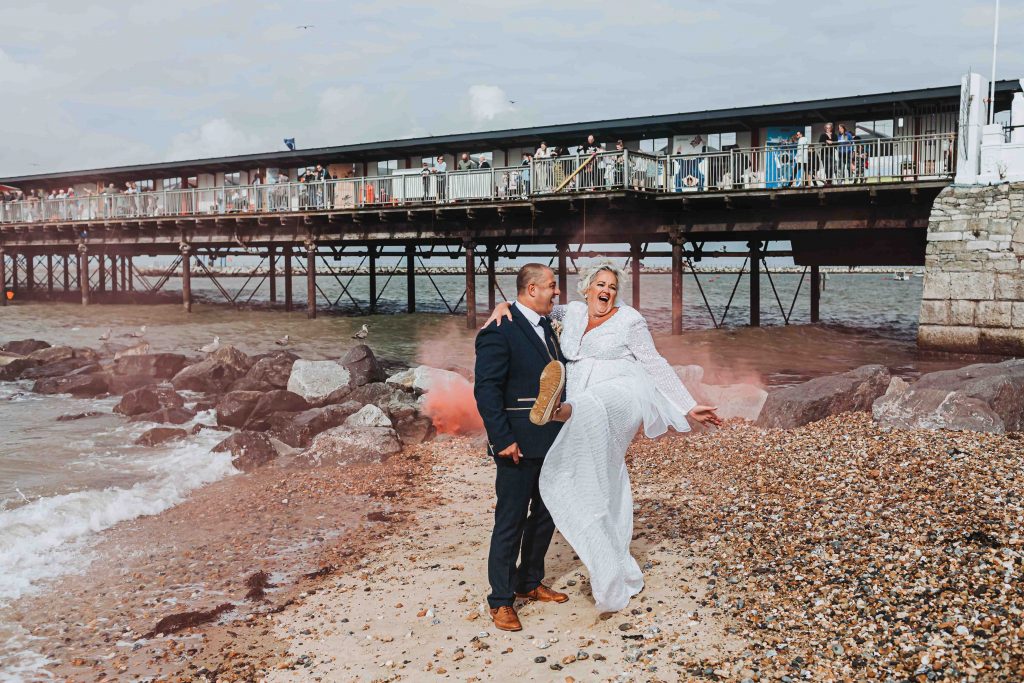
(556, 327)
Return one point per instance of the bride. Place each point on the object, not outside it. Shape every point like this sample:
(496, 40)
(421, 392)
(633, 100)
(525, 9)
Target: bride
(616, 381)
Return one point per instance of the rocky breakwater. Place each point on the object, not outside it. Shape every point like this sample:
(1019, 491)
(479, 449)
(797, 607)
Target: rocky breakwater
(274, 405)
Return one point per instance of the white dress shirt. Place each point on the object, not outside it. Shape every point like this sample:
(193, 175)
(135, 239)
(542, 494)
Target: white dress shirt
(533, 317)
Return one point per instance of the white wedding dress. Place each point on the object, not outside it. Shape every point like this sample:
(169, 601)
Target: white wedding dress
(616, 381)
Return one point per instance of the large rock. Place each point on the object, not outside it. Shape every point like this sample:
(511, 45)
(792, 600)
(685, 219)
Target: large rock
(315, 380)
(148, 399)
(389, 397)
(170, 415)
(986, 397)
(52, 354)
(157, 366)
(76, 385)
(159, 435)
(298, 429)
(362, 366)
(368, 416)
(249, 450)
(278, 401)
(422, 377)
(12, 367)
(342, 445)
(215, 373)
(24, 347)
(61, 367)
(855, 390)
(249, 384)
(236, 406)
(415, 429)
(273, 369)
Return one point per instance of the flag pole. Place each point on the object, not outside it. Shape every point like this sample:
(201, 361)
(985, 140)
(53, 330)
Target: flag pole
(992, 83)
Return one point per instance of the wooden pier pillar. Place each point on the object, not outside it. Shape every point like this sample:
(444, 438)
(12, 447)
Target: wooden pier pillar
(83, 272)
(755, 283)
(470, 286)
(310, 279)
(186, 277)
(677, 286)
(3, 278)
(272, 272)
(563, 273)
(103, 273)
(67, 273)
(410, 278)
(30, 272)
(14, 272)
(815, 294)
(49, 275)
(634, 251)
(287, 253)
(124, 273)
(113, 273)
(492, 257)
(131, 272)
(373, 278)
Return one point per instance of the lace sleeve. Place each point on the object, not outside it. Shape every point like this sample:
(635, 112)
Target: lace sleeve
(640, 343)
(558, 312)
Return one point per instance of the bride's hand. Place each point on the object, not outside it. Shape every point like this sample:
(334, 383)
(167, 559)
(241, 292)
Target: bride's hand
(705, 415)
(502, 310)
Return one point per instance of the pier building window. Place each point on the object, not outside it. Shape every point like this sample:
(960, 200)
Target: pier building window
(171, 184)
(387, 167)
(717, 142)
(654, 145)
(874, 129)
(233, 179)
(144, 185)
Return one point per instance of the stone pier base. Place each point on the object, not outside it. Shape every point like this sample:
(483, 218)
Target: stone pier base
(974, 274)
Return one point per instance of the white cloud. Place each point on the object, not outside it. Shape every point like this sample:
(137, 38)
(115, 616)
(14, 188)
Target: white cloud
(487, 102)
(217, 137)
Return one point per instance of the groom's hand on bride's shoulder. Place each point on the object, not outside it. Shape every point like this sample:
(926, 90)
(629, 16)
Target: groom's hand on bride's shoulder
(511, 451)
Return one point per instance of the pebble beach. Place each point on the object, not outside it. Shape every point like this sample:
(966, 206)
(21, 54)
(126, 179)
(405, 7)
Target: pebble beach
(836, 551)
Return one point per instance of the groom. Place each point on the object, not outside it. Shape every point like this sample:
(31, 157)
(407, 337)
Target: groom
(509, 361)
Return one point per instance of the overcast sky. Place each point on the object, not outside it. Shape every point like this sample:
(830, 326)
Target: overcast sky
(92, 84)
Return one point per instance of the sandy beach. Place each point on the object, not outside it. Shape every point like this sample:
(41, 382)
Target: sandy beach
(836, 551)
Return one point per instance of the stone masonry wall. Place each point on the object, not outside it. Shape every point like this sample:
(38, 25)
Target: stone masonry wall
(974, 271)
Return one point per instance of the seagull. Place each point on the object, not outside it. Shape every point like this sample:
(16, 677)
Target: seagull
(106, 335)
(138, 335)
(283, 341)
(212, 346)
(361, 334)
(306, 26)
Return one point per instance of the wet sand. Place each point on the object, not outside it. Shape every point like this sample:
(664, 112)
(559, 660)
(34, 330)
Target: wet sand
(836, 551)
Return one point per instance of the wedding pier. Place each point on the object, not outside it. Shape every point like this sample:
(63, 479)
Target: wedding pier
(835, 182)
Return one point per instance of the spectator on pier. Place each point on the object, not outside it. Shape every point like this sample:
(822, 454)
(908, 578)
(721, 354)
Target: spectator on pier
(844, 140)
(800, 163)
(425, 177)
(860, 160)
(466, 164)
(591, 146)
(525, 175)
(484, 163)
(827, 152)
(542, 168)
(441, 169)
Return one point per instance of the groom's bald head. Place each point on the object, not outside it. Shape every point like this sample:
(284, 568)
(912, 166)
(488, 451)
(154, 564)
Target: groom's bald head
(532, 274)
(536, 287)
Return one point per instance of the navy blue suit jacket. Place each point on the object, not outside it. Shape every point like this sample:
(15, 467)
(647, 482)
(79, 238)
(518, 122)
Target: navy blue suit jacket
(509, 360)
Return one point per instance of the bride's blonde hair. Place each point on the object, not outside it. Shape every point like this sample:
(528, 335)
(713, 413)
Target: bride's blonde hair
(588, 272)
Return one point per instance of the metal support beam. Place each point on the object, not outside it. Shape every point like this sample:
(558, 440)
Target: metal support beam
(124, 273)
(373, 278)
(470, 286)
(30, 272)
(310, 279)
(113, 274)
(677, 286)
(272, 272)
(186, 276)
(755, 283)
(287, 279)
(131, 273)
(14, 272)
(67, 273)
(815, 294)
(492, 257)
(83, 272)
(634, 251)
(49, 275)
(410, 277)
(3, 278)
(103, 274)
(563, 273)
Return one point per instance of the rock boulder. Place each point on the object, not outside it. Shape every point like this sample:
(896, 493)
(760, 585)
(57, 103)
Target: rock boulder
(298, 429)
(235, 407)
(798, 405)
(341, 445)
(159, 435)
(422, 377)
(76, 385)
(52, 354)
(368, 416)
(278, 400)
(24, 347)
(171, 415)
(158, 366)
(273, 369)
(149, 399)
(12, 367)
(986, 397)
(315, 380)
(58, 368)
(362, 365)
(249, 450)
(215, 373)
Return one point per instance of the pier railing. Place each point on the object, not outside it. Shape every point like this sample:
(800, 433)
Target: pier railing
(786, 164)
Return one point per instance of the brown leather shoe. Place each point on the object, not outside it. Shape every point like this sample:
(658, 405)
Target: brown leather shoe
(505, 618)
(544, 594)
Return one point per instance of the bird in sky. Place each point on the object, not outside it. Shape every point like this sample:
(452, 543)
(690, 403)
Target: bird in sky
(306, 26)
(212, 346)
(362, 333)
(283, 341)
